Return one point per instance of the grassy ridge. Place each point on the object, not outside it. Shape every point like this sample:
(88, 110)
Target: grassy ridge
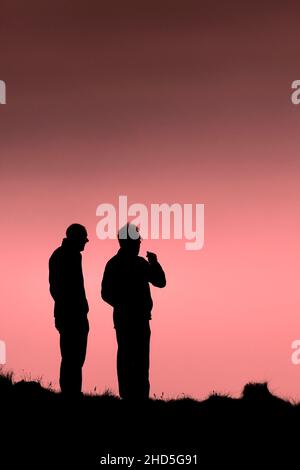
(39, 427)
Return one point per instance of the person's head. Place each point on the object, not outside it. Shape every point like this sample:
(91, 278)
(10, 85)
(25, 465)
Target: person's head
(77, 235)
(130, 239)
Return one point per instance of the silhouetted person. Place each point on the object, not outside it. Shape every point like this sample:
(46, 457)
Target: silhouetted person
(125, 286)
(71, 307)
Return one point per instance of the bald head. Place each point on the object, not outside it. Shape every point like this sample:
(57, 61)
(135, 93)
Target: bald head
(77, 235)
(130, 239)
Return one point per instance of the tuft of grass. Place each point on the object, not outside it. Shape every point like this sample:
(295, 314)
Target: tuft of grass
(6, 376)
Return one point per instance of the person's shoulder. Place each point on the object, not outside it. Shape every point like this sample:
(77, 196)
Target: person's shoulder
(112, 261)
(56, 254)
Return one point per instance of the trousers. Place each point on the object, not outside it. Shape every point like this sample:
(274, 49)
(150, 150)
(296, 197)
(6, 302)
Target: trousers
(73, 345)
(133, 360)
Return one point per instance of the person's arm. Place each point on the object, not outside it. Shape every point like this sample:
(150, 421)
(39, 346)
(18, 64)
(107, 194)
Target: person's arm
(55, 278)
(66, 283)
(107, 286)
(155, 271)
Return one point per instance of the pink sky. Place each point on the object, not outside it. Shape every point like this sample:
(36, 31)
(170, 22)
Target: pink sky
(163, 106)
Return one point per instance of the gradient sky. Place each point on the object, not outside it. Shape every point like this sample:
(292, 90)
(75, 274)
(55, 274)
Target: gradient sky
(183, 102)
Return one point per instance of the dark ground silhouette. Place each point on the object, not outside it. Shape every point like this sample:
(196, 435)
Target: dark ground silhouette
(40, 428)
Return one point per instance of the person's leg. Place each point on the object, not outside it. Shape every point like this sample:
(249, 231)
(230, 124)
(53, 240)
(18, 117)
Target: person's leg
(66, 373)
(124, 362)
(82, 347)
(73, 344)
(142, 361)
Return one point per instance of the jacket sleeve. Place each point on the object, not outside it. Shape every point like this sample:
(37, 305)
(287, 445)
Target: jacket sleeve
(156, 274)
(107, 286)
(55, 278)
(66, 284)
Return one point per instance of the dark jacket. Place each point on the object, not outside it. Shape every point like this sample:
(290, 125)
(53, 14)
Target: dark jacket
(66, 283)
(125, 286)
